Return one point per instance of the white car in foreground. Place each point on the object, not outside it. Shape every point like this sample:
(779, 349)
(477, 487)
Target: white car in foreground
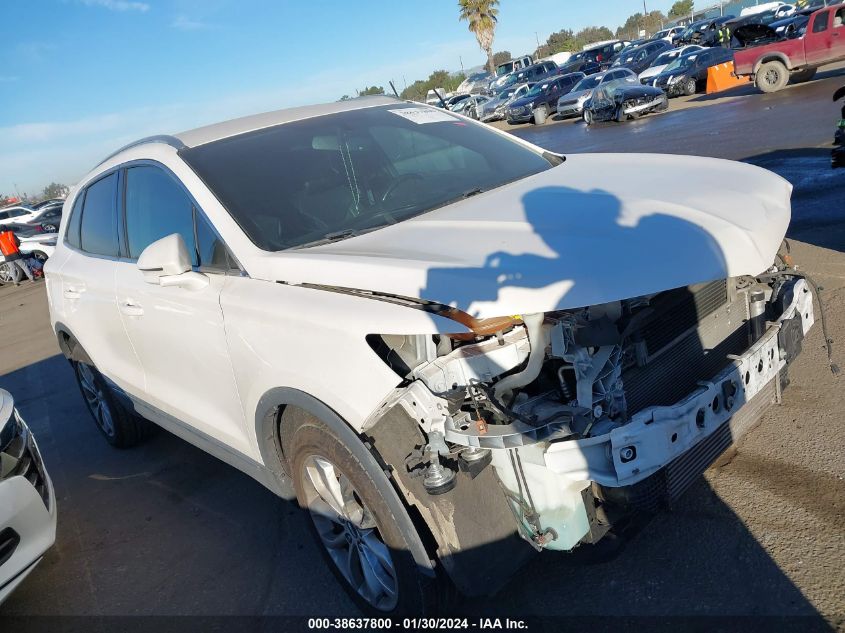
(27, 501)
(451, 346)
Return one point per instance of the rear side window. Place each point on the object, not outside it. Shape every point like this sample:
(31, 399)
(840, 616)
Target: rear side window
(820, 23)
(98, 230)
(156, 206)
(72, 235)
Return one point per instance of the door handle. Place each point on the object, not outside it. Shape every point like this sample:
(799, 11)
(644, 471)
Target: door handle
(130, 308)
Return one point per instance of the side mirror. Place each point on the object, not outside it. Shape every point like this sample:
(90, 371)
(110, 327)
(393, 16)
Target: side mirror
(166, 262)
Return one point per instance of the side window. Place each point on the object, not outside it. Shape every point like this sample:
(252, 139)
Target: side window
(17, 213)
(156, 206)
(72, 235)
(820, 23)
(4, 215)
(98, 229)
(839, 18)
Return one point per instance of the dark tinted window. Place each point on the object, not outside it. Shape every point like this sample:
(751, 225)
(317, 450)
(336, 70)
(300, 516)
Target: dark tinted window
(212, 251)
(294, 184)
(72, 235)
(156, 206)
(98, 232)
(820, 23)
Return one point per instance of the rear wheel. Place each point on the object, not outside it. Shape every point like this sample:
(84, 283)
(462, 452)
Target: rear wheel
(361, 526)
(120, 427)
(772, 76)
(50, 228)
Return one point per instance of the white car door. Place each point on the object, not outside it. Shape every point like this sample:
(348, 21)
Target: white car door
(86, 284)
(177, 332)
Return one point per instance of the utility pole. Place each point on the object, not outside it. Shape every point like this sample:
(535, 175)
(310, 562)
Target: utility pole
(537, 37)
(462, 63)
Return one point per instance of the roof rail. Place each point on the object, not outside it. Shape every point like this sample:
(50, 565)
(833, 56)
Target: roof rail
(158, 138)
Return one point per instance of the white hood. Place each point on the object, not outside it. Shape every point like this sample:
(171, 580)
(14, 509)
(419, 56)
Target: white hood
(598, 228)
(652, 71)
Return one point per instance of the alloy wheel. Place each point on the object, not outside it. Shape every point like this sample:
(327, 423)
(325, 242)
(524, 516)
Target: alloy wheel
(349, 533)
(95, 398)
(7, 273)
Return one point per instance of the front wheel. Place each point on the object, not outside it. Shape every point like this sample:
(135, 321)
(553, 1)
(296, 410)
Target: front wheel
(772, 76)
(360, 525)
(690, 87)
(588, 117)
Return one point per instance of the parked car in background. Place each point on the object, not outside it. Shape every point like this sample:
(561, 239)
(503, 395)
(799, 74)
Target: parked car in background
(532, 74)
(791, 27)
(27, 500)
(594, 58)
(471, 107)
(772, 66)
(558, 58)
(668, 34)
(541, 99)
(17, 213)
(640, 58)
(572, 104)
(46, 218)
(664, 59)
(622, 100)
(686, 75)
(782, 8)
(47, 202)
(475, 82)
(454, 100)
(703, 32)
(514, 64)
(749, 35)
(494, 109)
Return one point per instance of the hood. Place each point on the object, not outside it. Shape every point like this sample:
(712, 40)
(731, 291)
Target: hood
(635, 92)
(653, 71)
(597, 228)
(524, 101)
(749, 34)
(575, 95)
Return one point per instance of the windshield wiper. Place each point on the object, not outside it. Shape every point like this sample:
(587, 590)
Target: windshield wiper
(335, 236)
(472, 192)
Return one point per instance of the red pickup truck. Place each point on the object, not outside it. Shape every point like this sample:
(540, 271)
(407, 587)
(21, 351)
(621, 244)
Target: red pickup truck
(771, 66)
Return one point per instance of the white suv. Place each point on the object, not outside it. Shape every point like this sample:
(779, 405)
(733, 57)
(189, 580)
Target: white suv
(452, 346)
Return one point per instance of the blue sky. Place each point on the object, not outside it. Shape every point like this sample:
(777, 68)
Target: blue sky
(79, 78)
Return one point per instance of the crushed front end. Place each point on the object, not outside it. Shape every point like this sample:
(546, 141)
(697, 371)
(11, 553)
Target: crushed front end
(584, 417)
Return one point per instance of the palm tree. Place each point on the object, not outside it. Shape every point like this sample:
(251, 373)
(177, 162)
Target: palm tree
(481, 15)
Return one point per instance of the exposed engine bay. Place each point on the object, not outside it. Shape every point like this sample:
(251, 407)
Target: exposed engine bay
(579, 411)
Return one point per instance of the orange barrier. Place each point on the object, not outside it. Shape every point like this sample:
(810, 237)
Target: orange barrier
(722, 77)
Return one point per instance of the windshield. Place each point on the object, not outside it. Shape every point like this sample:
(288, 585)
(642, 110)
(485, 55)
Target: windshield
(333, 176)
(504, 69)
(536, 90)
(680, 64)
(587, 83)
(666, 57)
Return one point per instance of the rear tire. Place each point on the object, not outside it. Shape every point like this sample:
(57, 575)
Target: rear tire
(771, 77)
(368, 543)
(121, 428)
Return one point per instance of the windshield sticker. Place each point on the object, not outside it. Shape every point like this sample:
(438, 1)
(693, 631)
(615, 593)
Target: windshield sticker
(423, 115)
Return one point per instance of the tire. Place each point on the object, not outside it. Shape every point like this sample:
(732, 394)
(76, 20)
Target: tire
(802, 75)
(120, 427)
(539, 116)
(9, 273)
(40, 256)
(771, 77)
(588, 117)
(373, 525)
(690, 87)
(50, 228)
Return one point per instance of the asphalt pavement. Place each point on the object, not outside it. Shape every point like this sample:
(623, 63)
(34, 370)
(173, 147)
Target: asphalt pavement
(165, 529)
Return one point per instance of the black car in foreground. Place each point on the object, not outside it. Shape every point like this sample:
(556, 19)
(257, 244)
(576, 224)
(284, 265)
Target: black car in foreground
(686, 75)
(622, 100)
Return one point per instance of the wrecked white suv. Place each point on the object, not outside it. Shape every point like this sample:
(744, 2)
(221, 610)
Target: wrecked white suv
(451, 346)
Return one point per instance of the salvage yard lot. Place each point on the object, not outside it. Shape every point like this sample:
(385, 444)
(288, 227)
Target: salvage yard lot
(167, 529)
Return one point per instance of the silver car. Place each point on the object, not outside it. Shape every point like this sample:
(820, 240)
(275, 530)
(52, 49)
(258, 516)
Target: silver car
(572, 103)
(494, 109)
